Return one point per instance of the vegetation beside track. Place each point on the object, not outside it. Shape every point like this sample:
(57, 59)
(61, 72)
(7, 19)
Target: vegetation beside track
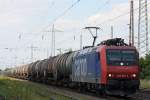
(145, 71)
(12, 89)
(145, 84)
(145, 67)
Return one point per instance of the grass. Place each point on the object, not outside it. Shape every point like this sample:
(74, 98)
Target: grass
(145, 84)
(12, 89)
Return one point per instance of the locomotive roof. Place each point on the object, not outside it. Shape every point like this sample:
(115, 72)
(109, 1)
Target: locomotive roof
(87, 50)
(114, 42)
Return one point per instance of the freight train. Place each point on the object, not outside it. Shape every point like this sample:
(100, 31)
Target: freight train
(111, 67)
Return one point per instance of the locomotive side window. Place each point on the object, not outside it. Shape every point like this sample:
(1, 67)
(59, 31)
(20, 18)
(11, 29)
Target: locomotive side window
(122, 57)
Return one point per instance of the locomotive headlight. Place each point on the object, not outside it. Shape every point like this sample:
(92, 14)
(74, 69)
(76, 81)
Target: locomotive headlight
(121, 63)
(134, 75)
(109, 75)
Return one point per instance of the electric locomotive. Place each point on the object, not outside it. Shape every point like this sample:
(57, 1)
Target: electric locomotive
(121, 70)
(111, 67)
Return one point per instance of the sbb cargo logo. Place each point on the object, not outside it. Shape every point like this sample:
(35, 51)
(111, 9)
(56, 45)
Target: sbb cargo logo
(80, 67)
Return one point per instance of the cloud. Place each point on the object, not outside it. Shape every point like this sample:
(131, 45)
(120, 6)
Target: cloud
(95, 19)
(118, 16)
(31, 16)
(68, 24)
(9, 19)
(115, 11)
(111, 16)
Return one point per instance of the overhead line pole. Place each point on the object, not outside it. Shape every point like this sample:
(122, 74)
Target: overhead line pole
(32, 51)
(143, 35)
(53, 42)
(139, 23)
(132, 17)
(131, 25)
(147, 34)
(112, 32)
(81, 41)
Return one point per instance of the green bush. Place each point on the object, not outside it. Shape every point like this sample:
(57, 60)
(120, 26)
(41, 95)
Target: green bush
(145, 66)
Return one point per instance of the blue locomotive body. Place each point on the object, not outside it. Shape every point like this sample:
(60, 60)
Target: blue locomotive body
(86, 66)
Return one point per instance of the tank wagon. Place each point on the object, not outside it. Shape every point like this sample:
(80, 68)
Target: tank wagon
(111, 67)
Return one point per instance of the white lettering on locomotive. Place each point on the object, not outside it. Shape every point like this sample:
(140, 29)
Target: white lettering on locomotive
(81, 67)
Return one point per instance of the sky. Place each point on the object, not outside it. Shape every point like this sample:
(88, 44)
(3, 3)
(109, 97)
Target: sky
(26, 23)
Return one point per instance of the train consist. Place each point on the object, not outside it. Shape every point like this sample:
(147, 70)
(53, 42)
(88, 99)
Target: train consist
(111, 67)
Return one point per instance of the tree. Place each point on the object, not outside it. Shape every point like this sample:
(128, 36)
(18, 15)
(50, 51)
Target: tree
(7, 69)
(145, 65)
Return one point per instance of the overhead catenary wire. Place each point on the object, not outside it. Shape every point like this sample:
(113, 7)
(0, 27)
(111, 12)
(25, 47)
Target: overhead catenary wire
(65, 11)
(61, 14)
(112, 19)
(116, 17)
(103, 6)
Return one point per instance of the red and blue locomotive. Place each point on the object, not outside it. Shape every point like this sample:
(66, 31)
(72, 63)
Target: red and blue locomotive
(111, 67)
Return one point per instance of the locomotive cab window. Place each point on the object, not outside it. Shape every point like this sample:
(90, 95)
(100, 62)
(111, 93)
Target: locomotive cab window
(121, 57)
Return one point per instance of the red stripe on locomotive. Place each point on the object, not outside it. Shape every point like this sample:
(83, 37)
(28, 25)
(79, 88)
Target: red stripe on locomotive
(103, 62)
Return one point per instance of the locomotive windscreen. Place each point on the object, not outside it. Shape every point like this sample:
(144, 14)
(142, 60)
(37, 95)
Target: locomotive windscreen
(117, 57)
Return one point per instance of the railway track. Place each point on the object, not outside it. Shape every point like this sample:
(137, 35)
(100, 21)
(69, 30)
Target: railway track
(145, 91)
(143, 94)
(75, 94)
